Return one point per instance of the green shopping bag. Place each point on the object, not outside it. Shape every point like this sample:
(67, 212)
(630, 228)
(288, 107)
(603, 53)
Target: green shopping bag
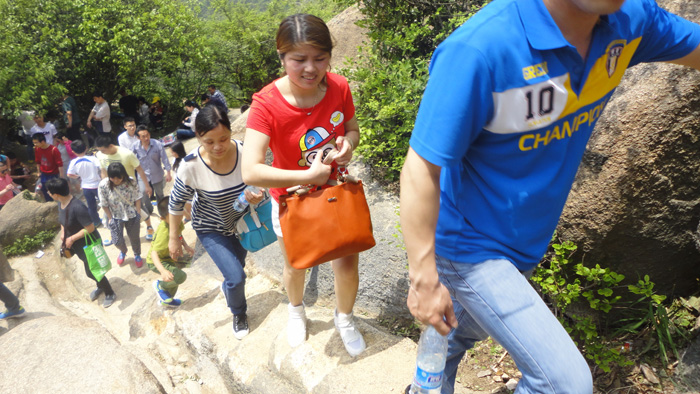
(98, 261)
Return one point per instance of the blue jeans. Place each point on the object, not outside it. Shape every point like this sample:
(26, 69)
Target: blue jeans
(185, 134)
(45, 178)
(493, 298)
(10, 300)
(91, 199)
(229, 257)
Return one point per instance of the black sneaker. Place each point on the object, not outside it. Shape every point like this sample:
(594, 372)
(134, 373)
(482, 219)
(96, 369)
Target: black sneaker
(95, 293)
(240, 325)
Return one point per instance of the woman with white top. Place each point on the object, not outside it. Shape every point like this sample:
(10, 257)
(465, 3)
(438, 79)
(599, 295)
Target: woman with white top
(186, 130)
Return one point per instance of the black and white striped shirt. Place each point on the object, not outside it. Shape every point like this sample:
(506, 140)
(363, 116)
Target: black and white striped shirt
(212, 194)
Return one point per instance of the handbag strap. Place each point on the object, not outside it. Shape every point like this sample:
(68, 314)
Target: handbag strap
(88, 237)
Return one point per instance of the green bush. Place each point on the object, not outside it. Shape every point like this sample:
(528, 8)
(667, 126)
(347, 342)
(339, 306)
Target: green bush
(29, 244)
(582, 297)
(393, 73)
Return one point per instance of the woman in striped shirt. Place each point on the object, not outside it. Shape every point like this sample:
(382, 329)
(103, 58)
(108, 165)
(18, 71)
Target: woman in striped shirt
(211, 177)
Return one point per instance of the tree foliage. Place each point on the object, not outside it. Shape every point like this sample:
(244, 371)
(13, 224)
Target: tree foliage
(78, 46)
(167, 48)
(394, 71)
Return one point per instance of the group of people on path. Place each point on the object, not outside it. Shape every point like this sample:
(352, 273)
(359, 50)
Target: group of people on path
(483, 185)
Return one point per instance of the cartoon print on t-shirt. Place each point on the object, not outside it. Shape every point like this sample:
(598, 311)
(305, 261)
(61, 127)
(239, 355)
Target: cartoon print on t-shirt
(315, 141)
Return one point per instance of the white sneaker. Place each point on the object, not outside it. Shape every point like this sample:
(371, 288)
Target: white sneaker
(296, 326)
(351, 336)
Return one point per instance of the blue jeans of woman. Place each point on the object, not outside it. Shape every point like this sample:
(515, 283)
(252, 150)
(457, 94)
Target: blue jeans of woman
(229, 257)
(492, 298)
(10, 300)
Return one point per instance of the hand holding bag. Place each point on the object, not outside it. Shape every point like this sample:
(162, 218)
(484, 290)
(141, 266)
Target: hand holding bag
(98, 261)
(326, 224)
(254, 229)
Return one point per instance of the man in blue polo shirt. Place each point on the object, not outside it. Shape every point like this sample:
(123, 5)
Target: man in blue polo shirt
(512, 99)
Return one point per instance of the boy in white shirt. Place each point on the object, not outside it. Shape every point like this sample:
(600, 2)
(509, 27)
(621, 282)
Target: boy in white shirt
(45, 128)
(87, 168)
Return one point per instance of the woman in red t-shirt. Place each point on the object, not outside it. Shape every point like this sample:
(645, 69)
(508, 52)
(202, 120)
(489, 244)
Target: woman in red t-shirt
(307, 118)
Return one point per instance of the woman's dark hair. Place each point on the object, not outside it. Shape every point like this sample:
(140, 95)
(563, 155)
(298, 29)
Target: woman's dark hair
(191, 103)
(163, 207)
(209, 118)
(78, 146)
(117, 170)
(179, 148)
(303, 29)
(58, 186)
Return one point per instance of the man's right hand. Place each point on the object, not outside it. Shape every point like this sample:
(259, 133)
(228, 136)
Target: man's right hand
(431, 304)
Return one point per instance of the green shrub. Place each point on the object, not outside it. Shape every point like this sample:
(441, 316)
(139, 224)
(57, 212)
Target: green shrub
(29, 244)
(393, 73)
(581, 297)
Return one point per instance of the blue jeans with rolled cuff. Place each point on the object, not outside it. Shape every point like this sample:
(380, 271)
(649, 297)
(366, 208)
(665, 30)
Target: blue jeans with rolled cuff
(229, 257)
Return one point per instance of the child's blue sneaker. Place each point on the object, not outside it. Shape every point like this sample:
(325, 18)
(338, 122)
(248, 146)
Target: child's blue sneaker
(163, 295)
(106, 242)
(11, 314)
(172, 302)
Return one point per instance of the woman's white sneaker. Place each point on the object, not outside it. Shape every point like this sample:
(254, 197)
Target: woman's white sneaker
(351, 336)
(296, 326)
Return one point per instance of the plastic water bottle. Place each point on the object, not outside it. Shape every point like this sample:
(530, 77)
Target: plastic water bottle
(241, 203)
(430, 363)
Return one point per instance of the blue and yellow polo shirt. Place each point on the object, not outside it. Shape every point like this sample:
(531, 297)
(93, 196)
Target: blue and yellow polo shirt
(507, 113)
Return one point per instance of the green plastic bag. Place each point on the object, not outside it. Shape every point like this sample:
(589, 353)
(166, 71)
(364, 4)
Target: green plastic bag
(98, 261)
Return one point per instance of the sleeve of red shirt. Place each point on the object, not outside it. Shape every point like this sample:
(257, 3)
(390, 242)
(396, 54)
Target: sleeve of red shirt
(57, 157)
(259, 117)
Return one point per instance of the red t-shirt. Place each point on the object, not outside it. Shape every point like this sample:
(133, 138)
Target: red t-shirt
(49, 159)
(297, 135)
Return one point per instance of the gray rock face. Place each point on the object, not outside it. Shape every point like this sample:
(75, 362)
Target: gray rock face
(688, 373)
(22, 217)
(69, 355)
(347, 36)
(635, 203)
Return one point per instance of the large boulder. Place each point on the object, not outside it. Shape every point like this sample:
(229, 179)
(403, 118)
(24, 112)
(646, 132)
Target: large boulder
(348, 37)
(22, 216)
(635, 203)
(69, 355)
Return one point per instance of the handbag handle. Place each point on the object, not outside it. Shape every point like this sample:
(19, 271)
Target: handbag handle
(89, 237)
(343, 176)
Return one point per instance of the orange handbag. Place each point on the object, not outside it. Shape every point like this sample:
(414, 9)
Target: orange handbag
(323, 225)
